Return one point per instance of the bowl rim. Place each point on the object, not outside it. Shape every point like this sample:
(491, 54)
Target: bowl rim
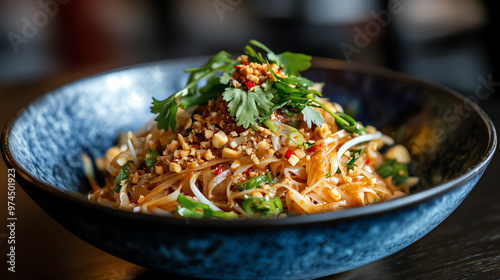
(320, 218)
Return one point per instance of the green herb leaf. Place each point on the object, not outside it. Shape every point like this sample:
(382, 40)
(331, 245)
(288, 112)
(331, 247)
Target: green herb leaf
(167, 109)
(277, 104)
(191, 209)
(298, 81)
(291, 63)
(247, 106)
(123, 174)
(150, 161)
(117, 188)
(226, 77)
(210, 91)
(167, 112)
(260, 45)
(219, 59)
(255, 105)
(355, 155)
(253, 56)
(312, 116)
(398, 171)
(308, 145)
(285, 89)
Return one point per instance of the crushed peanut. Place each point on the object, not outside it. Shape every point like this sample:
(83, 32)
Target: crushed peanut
(228, 153)
(254, 72)
(209, 133)
(255, 159)
(263, 145)
(174, 167)
(159, 169)
(257, 194)
(184, 145)
(208, 155)
(236, 163)
(219, 139)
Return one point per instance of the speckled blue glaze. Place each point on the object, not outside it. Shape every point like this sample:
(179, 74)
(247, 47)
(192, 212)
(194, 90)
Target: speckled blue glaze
(44, 142)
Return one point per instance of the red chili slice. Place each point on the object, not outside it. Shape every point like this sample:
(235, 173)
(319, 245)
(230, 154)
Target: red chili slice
(249, 84)
(218, 170)
(237, 67)
(246, 63)
(288, 153)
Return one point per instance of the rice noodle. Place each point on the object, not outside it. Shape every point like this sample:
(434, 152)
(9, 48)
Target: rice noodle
(199, 195)
(216, 181)
(204, 166)
(275, 141)
(165, 201)
(219, 166)
(358, 140)
(132, 151)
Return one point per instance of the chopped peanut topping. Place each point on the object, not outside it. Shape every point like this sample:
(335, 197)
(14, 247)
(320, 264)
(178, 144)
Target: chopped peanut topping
(219, 139)
(208, 155)
(254, 74)
(257, 194)
(209, 133)
(263, 145)
(236, 163)
(229, 153)
(159, 169)
(174, 167)
(184, 145)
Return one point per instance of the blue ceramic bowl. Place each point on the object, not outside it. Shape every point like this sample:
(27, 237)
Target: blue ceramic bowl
(450, 151)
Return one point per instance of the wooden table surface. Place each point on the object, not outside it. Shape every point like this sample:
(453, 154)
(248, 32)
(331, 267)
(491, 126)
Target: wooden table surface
(465, 246)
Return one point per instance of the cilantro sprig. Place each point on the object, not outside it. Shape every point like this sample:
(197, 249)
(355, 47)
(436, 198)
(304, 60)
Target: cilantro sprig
(189, 95)
(255, 105)
(293, 90)
(247, 106)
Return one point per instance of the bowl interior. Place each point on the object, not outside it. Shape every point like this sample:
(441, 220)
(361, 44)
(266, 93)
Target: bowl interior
(445, 135)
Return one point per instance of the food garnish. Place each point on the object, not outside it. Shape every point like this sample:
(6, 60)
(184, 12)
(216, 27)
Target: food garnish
(253, 104)
(250, 138)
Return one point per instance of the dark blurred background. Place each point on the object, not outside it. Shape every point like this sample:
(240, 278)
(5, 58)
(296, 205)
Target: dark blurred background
(448, 42)
(47, 43)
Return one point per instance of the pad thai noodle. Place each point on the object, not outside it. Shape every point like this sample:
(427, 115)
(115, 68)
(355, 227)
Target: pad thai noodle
(250, 137)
